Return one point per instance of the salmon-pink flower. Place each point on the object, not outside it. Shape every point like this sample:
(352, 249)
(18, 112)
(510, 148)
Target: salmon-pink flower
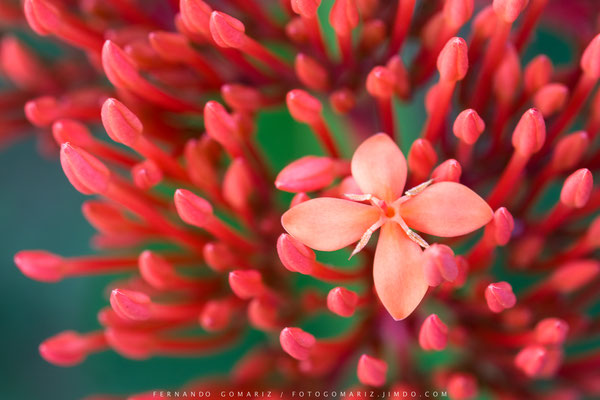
(443, 209)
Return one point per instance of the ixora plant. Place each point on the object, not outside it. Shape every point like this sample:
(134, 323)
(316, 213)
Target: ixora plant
(189, 208)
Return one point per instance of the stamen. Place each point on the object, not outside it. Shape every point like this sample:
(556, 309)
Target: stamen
(366, 236)
(412, 235)
(418, 189)
(359, 197)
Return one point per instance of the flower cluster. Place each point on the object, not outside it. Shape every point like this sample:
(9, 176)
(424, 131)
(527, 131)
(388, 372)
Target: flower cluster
(188, 206)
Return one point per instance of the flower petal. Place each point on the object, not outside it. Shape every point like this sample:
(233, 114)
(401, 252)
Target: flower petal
(446, 209)
(329, 224)
(397, 272)
(379, 167)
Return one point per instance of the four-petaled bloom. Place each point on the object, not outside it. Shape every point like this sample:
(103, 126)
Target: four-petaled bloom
(444, 209)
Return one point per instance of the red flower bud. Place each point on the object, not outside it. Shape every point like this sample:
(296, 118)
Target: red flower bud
(131, 305)
(433, 334)
(218, 256)
(295, 256)
(146, 174)
(551, 98)
(306, 8)
(195, 14)
(503, 224)
(312, 74)
(192, 209)
(65, 349)
(303, 107)
(499, 296)
(507, 78)
(509, 10)
(577, 189)
(371, 371)
(241, 97)
(537, 73)
(221, 127)
(468, 126)
(439, 264)
(381, 83)
(226, 30)
(155, 270)
(68, 130)
(421, 158)
(85, 172)
(131, 344)
(590, 61)
(246, 284)
(396, 65)
(530, 133)
(238, 184)
(296, 30)
(344, 16)
(120, 123)
(574, 275)
(342, 301)
(569, 151)
(448, 171)
(306, 174)
(216, 315)
(453, 61)
(531, 360)
(40, 265)
(43, 17)
(551, 331)
(342, 101)
(458, 12)
(297, 343)
(462, 387)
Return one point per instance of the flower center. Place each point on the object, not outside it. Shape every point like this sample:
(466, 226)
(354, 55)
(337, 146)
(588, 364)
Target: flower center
(390, 212)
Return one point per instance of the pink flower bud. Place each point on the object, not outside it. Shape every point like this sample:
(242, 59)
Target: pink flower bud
(439, 264)
(367, 8)
(551, 98)
(312, 74)
(530, 133)
(195, 14)
(592, 236)
(551, 331)
(453, 61)
(342, 101)
(43, 17)
(499, 296)
(246, 284)
(295, 29)
(65, 349)
(226, 30)
(573, 275)
(342, 301)
(295, 256)
(421, 158)
(85, 172)
(218, 256)
(215, 315)
(306, 8)
(458, 12)
(396, 65)
(433, 334)
(297, 343)
(371, 371)
(507, 78)
(68, 130)
(373, 33)
(263, 313)
(303, 107)
(448, 171)
(241, 97)
(526, 250)
(155, 270)
(137, 345)
(299, 198)
(509, 10)
(40, 265)
(344, 16)
(462, 386)
(577, 189)
(484, 23)
(104, 217)
(146, 174)
(21, 65)
(118, 66)
(120, 123)
(238, 184)
(131, 305)
(531, 360)
(503, 224)
(306, 174)
(381, 83)
(463, 271)
(221, 127)
(192, 209)
(590, 61)
(468, 126)
(538, 73)
(569, 151)
(42, 111)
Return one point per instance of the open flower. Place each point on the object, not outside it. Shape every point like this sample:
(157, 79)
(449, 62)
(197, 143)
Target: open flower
(443, 209)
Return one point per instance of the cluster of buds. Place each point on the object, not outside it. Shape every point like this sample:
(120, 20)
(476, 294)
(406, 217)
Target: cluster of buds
(189, 201)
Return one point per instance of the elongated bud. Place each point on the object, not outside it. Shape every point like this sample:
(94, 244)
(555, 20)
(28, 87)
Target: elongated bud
(129, 343)
(439, 264)
(509, 10)
(295, 256)
(590, 61)
(381, 83)
(577, 189)
(237, 184)
(118, 66)
(507, 78)
(538, 73)
(303, 107)
(42, 111)
(551, 98)
(306, 8)
(218, 256)
(499, 296)
(221, 127)
(65, 349)
(105, 217)
(68, 130)
(226, 30)
(120, 123)
(192, 209)
(312, 74)
(155, 270)
(484, 23)
(453, 61)
(573, 275)
(458, 12)
(195, 14)
(448, 171)
(263, 313)
(246, 284)
(531, 360)
(297, 343)
(307, 174)
(503, 224)
(299, 198)
(342, 101)
(43, 17)
(344, 16)
(367, 8)
(421, 157)
(40, 265)
(371, 371)
(463, 271)
(569, 151)
(131, 305)
(462, 386)
(146, 174)
(295, 29)
(342, 301)
(216, 315)
(373, 33)
(241, 97)
(433, 334)
(530, 133)
(85, 172)
(551, 331)
(468, 126)
(20, 65)
(396, 65)
(592, 236)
